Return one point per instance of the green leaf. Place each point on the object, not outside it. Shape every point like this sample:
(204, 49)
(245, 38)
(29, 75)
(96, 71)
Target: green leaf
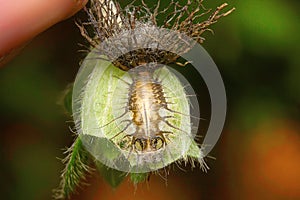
(194, 151)
(113, 177)
(138, 177)
(77, 166)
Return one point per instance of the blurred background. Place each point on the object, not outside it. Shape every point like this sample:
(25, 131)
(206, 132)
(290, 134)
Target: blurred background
(257, 157)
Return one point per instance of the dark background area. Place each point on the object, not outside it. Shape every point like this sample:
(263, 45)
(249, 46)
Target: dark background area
(257, 157)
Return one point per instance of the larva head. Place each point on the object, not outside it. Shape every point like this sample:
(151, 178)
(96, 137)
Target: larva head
(157, 142)
(148, 145)
(140, 144)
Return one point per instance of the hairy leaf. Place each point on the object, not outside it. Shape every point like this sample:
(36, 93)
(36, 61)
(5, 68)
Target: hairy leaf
(77, 166)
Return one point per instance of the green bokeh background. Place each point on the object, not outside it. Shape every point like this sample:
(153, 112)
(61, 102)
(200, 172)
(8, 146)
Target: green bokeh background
(257, 51)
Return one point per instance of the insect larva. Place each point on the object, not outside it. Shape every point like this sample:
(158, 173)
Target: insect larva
(135, 121)
(146, 100)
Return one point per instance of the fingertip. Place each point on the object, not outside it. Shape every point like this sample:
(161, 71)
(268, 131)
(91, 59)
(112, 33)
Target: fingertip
(77, 5)
(20, 22)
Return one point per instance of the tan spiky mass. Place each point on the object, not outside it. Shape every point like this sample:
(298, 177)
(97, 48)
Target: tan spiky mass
(109, 20)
